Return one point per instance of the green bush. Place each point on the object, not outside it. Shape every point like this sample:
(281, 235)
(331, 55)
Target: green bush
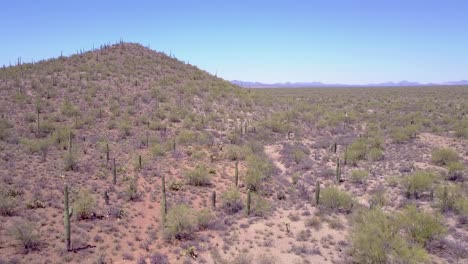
(455, 171)
(452, 198)
(298, 155)
(357, 151)
(259, 205)
(204, 218)
(231, 201)
(186, 137)
(125, 127)
(180, 222)
(40, 146)
(359, 176)
(60, 136)
(27, 235)
(83, 206)
(332, 198)
(444, 156)
(376, 154)
(234, 152)
(258, 169)
(7, 204)
(68, 109)
(69, 160)
(402, 134)
(375, 238)
(199, 176)
(420, 181)
(4, 128)
(419, 226)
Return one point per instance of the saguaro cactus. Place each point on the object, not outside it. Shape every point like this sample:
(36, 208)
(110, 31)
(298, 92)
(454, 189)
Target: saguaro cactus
(70, 141)
(68, 212)
(249, 199)
(139, 162)
(107, 152)
(163, 203)
(346, 155)
(38, 129)
(114, 172)
(236, 174)
(317, 192)
(338, 171)
(213, 199)
(174, 145)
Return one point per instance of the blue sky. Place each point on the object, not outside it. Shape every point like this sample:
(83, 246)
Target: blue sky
(268, 41)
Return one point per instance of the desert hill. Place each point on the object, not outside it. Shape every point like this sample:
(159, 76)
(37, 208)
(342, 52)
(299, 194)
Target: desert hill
(165, 163)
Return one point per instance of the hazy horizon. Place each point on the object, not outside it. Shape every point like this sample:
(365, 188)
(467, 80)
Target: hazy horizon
(262, 41)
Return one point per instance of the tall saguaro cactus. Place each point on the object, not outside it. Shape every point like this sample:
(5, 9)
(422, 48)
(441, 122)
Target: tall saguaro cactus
(164, 202)
(114, 172)
(249, 200)
(213, 199)
(70, 141)
(68, 212)
(317, 193)
(139, 162)
(38, 129)
(107, 152)
(338, 171)
(236, 174)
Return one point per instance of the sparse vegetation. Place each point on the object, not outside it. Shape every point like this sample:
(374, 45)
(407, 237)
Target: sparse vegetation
(253, 170)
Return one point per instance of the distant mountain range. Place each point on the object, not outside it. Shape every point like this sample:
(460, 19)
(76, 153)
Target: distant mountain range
(320, 84)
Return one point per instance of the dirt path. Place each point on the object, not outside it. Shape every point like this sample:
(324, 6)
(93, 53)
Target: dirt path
(273, 153)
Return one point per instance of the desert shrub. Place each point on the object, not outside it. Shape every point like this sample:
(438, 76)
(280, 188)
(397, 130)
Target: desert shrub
(180, 222)
(4, 128)
(298, 155)
(375, 239)
(444, 156)
(313, 222)
(60, 136)
(131, 191)
(420, 181)
(157, 125)
(186, 137)
(234, 152)
(259, 205)
(231, 201)
(452, 198)
(158, 258)
(199, 176)
(259, 168)
(399, 135)
(125, 127)
(7, 204)
(332, 198)
(357, 151)
(376, 142)
(455, 171)
(204, 218)
(276, 123)
(419, 226)
(160, 150)
(69, 160)
(461, 129)
(27, 235)
(68, 109)
(376, 154)
(359, 176)
(378, 197)
(40, 146)
(83, 205)
(402, 134)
